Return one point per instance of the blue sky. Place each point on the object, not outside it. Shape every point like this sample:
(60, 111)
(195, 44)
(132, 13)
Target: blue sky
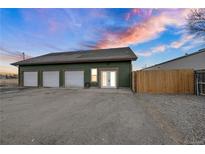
(155, 35)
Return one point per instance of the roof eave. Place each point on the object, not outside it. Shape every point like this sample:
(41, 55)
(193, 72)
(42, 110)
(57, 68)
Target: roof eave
(14, 64)
(72, 62)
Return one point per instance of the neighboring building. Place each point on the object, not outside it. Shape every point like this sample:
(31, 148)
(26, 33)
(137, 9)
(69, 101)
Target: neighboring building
(194, 61)
(104, 68)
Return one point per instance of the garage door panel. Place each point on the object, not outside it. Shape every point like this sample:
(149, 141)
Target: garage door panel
(30, 79)
(74, 79)
(51, 79)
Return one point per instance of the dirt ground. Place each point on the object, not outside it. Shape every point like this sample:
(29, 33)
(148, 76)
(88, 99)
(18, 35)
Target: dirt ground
(99, 116)
(8, 82)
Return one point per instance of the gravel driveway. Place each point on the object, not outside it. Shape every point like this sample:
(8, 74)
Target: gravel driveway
(182, 117)
(86, 116)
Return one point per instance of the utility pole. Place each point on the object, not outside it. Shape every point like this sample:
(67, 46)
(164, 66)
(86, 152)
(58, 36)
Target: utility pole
(23, 54)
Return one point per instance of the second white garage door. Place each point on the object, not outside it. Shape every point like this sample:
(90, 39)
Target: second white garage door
(74, 79)
(51, 79)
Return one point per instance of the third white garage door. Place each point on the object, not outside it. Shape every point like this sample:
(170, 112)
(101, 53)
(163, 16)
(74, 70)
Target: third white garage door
(51, 79)
(74, 79)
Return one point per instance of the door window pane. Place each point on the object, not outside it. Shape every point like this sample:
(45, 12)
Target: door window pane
(104, 79)
(112, 79)
(108, 79)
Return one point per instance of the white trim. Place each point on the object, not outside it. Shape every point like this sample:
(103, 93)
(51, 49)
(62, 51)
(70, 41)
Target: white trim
(101, 76)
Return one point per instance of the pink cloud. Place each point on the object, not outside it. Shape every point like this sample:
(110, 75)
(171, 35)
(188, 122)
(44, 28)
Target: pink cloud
(157, 49)
(144, 13)
(53, 26)
(144, 54)
(175, 44)
(53, 21)
(144, 31)
(11, 56)
(160, 48)
(135, 11)
(181, 42)
(36, 40)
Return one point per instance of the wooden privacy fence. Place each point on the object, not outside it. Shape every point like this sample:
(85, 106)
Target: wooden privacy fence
(164, 81)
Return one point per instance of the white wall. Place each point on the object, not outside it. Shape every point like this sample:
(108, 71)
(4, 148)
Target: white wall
(196, 62)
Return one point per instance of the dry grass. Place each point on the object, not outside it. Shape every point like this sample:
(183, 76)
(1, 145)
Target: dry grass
(8, 82)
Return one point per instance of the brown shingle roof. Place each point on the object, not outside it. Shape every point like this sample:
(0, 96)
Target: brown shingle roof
(100, 55)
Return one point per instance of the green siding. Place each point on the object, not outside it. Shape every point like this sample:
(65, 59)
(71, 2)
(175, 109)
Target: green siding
(124, 71)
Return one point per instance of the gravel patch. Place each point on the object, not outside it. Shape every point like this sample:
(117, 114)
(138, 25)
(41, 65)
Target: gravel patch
(185, 113)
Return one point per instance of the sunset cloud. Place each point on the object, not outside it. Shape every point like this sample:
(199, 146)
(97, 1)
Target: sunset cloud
(144, 31)
(135, 11)
(53, 21)
(144, 54)
(154, 50)
(7, 55)
(160, 48)
(173, 45)
(184, 39)
(145, 13)
(53, 26)
(10, 58)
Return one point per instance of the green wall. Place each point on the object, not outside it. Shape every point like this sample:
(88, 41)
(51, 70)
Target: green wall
(124, 71)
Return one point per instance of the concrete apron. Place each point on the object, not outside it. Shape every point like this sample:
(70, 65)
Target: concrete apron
(111, 90)
(96, 90)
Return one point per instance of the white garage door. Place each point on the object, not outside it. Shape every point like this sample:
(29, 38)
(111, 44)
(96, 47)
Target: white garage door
(30, 79)
(74, 79)
(51, 79)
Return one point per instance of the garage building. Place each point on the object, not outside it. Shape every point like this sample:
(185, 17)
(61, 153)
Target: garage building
(103, 68)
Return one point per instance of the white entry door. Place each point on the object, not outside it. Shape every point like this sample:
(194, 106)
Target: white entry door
(74, 79)
(51, 79)
(30, 79)
(108, 79)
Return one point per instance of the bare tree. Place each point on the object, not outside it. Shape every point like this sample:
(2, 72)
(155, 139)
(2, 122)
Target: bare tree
(196, 22)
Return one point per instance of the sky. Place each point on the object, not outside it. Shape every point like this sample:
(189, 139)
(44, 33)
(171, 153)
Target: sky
(155, 35)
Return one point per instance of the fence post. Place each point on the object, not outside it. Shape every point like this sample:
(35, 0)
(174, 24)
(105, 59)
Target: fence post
(133, 81)
(196, 84)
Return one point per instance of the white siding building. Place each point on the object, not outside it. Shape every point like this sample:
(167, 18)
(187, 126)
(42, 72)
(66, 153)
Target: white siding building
(194, 61)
